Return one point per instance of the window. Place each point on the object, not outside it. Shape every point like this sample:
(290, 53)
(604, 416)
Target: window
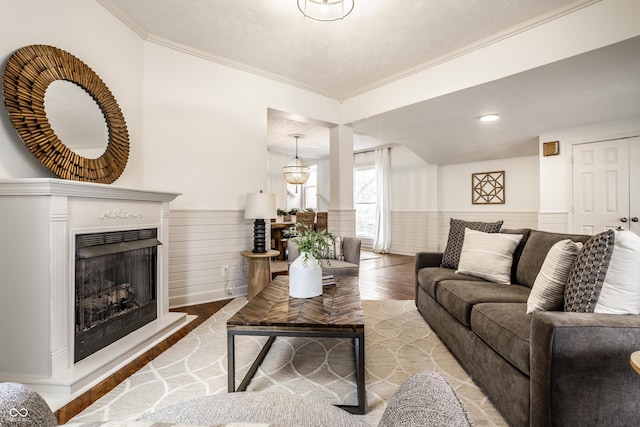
(311, 189)
(365, 200)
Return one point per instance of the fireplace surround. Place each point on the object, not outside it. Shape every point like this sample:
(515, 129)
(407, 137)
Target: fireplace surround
(43, 219)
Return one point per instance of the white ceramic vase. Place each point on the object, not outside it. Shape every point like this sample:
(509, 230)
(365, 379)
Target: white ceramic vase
(305, 278)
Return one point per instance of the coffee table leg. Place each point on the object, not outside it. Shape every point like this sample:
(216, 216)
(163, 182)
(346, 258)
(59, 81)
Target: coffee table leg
(231, 365)
(359, 354)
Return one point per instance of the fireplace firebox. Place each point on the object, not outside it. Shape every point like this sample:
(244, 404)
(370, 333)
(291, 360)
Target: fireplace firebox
(115, 286)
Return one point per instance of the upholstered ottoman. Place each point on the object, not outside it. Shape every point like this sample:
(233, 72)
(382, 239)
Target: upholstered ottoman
(425, 399)
(21, 406)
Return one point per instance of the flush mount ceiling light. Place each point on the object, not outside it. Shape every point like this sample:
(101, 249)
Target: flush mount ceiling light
(295, 172)
(325, 10)
(492, 117)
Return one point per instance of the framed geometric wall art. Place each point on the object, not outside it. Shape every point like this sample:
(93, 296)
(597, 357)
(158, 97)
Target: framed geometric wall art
(487, 188)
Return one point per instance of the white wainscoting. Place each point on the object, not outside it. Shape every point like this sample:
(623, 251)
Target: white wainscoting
(342, 222)
(511, 220)
(201, 242)
(556, 222)
(413, 232)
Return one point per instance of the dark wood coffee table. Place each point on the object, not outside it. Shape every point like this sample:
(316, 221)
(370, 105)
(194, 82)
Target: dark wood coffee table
(337, 313)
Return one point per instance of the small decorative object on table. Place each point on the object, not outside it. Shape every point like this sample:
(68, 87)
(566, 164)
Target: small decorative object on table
(305, 273)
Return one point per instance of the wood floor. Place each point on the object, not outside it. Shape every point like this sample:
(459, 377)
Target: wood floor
(382, 277)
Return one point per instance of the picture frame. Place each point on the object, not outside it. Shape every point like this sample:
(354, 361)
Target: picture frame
(551, 148)
(488, 188)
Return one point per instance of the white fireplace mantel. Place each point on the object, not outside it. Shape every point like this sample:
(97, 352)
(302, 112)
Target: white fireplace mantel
(39, 219)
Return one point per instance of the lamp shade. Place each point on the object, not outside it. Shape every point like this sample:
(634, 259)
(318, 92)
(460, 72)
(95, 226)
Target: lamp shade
(260, 206)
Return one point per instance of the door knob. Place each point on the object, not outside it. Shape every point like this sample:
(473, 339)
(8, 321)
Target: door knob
(634, 219)
(623, 219)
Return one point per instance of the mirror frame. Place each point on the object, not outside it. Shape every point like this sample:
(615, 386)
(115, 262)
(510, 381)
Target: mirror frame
(28, 73)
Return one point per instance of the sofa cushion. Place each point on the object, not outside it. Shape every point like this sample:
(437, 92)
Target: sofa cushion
(451, 255)
(535, 251)
(339, 268)
(547, 292)
(605, 276)
(524, 232)
(506, 328)
(430, 277)
(459, 296)
(488, 255)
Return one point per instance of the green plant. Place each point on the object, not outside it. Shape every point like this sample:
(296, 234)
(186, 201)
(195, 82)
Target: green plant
(281, 212)
(310, 242)
(293, 211)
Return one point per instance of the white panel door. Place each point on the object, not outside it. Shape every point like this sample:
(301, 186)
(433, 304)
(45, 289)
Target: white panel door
(634, 185)
(601, 186)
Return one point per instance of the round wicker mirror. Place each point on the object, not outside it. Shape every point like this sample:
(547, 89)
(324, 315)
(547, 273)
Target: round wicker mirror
(28, 73)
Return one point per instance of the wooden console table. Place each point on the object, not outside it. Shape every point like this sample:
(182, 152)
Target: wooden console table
(277, 232)
(259, 271)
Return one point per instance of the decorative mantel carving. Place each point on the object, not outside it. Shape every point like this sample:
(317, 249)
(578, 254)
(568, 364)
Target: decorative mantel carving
(121, 213)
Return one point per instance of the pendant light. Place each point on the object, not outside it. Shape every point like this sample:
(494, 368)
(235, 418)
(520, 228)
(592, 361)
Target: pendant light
(295, 172)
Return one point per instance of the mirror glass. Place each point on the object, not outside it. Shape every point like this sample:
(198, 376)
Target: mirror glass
(76, 118)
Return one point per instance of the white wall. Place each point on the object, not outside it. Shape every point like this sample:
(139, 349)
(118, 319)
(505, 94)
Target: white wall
(567, 36)
(414, 182)
(555, 171)
(206, 127)
(88, 31)
(521, 185)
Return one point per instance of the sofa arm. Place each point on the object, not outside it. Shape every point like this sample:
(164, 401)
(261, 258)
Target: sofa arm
(580, 369)
(427, 259)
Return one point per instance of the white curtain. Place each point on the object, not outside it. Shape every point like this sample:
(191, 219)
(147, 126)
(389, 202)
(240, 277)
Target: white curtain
(382, 238)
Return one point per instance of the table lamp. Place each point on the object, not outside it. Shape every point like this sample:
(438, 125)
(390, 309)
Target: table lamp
(260, 206)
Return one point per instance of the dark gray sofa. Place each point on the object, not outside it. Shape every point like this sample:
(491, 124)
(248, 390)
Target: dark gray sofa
(543, 369)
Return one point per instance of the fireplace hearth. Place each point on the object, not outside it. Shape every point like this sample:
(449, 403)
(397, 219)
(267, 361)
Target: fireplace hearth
(115, 286)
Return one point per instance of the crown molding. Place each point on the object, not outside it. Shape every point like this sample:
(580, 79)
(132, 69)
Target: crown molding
(495, 38)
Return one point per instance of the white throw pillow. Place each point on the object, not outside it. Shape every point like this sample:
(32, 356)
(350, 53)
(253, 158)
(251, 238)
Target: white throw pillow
(334, 248)
(606, 275)
(547, 292)
(488, 255)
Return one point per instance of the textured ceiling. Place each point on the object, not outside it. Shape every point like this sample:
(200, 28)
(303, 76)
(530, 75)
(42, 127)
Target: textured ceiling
(379, 41)
(383, 40)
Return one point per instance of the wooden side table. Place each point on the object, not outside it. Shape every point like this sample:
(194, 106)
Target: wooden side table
(259, 271)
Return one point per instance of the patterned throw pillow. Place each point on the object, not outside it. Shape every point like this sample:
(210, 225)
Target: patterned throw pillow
(334, 249)
(547, 292)
(605, 276)
(451, 255)
(488, 255)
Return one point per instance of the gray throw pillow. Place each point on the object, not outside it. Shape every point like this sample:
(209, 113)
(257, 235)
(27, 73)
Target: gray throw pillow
(605, 276)
(451, 255)
(588, 273)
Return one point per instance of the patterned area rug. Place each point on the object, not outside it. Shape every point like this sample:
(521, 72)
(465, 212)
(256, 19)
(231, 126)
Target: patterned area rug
(398, 343)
